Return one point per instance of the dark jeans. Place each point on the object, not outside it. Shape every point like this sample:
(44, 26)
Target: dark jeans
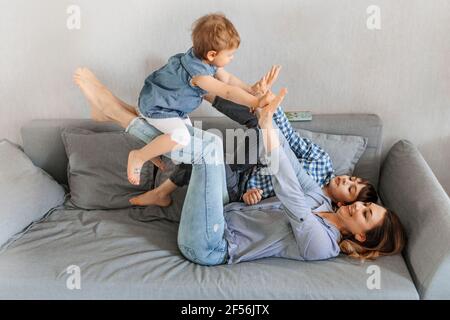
(235, 173)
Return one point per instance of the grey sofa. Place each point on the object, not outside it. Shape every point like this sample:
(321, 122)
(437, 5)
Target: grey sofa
(132, 253)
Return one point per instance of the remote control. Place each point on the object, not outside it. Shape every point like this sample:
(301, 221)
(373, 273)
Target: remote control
(299, 115)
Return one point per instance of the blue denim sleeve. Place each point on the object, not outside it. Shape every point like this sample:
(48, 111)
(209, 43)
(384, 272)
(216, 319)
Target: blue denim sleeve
(313, 240)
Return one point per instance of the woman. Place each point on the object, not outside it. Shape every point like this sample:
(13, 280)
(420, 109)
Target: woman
(211, 233)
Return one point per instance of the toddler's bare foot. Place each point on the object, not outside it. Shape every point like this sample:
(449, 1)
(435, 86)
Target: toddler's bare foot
(152, 197)
(135, 163)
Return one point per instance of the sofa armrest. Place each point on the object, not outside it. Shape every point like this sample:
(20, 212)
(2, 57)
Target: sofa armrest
(409, 187)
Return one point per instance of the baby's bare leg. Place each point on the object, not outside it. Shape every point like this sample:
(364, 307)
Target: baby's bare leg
(136, 158)
(104, 104)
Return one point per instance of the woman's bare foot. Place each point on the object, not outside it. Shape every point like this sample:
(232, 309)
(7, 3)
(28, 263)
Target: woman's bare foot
(135, 163)
(152, 197)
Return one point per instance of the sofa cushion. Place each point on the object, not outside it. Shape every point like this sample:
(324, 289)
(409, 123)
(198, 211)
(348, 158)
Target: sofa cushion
(344, 150)
(127, 254)
(27, 192)
(97, 169)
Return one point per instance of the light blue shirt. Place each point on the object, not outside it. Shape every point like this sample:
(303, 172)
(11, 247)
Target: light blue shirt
(168, 92)
(283, 226)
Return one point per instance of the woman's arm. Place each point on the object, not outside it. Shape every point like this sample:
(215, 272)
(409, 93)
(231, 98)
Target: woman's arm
(313, 240)
(284, 178)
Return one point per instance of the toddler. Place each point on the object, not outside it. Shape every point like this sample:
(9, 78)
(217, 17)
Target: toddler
(172, 92)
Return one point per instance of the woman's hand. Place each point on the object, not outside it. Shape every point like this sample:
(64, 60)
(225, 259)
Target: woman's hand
(269, 104)
(270, 136)
(261, 87)
(252, 196)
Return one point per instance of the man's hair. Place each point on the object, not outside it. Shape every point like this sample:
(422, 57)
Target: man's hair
(213, 32)
(367, 193)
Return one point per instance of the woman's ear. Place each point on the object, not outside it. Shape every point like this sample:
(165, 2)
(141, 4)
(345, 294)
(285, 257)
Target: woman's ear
(211, 55)
(361, 237)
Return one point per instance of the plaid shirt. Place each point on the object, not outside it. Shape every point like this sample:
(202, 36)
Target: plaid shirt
(314, 159)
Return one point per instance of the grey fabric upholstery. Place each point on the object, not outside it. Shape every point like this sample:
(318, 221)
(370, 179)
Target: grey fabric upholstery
(408, 186)
(132, 253)
(43, 144)
(344, 150)
(98, 168)
(127, 254)
(27, 193)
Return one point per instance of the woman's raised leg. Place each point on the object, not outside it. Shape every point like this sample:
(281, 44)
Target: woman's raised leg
(201, 232)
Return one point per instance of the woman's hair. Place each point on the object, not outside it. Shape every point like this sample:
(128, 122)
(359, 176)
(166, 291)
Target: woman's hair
(213, 32)
(367, 193)
(388, 238)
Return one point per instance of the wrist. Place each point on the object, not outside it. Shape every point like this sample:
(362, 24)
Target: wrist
(265, 122)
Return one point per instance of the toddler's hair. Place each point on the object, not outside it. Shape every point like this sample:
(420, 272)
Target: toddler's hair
(213, 32)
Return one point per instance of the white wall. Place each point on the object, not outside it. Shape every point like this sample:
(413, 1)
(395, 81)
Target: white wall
(332, 62)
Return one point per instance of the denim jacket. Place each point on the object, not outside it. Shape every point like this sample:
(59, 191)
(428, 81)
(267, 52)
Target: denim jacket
(168, 92)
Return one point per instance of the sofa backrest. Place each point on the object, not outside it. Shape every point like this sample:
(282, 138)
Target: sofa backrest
(42, 138)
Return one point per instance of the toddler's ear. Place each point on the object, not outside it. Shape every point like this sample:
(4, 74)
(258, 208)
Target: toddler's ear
(211, 55)
(339, 204)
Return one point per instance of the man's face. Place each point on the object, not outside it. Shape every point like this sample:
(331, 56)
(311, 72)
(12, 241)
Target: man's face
(345, 189)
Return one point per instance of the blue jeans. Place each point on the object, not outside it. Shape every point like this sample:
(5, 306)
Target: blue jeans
(201, 232)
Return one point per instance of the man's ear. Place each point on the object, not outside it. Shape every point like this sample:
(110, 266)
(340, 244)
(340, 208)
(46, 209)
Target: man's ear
(211, 55)
(361, 237)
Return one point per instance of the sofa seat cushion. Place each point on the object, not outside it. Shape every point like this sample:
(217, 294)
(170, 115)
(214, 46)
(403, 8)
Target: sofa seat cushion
(132, 254)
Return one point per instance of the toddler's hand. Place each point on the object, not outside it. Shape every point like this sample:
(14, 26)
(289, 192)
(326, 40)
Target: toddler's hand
(261, 87)
(266, 99)
(252, 196)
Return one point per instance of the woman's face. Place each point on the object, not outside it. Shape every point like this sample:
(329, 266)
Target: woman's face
(361, 217)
